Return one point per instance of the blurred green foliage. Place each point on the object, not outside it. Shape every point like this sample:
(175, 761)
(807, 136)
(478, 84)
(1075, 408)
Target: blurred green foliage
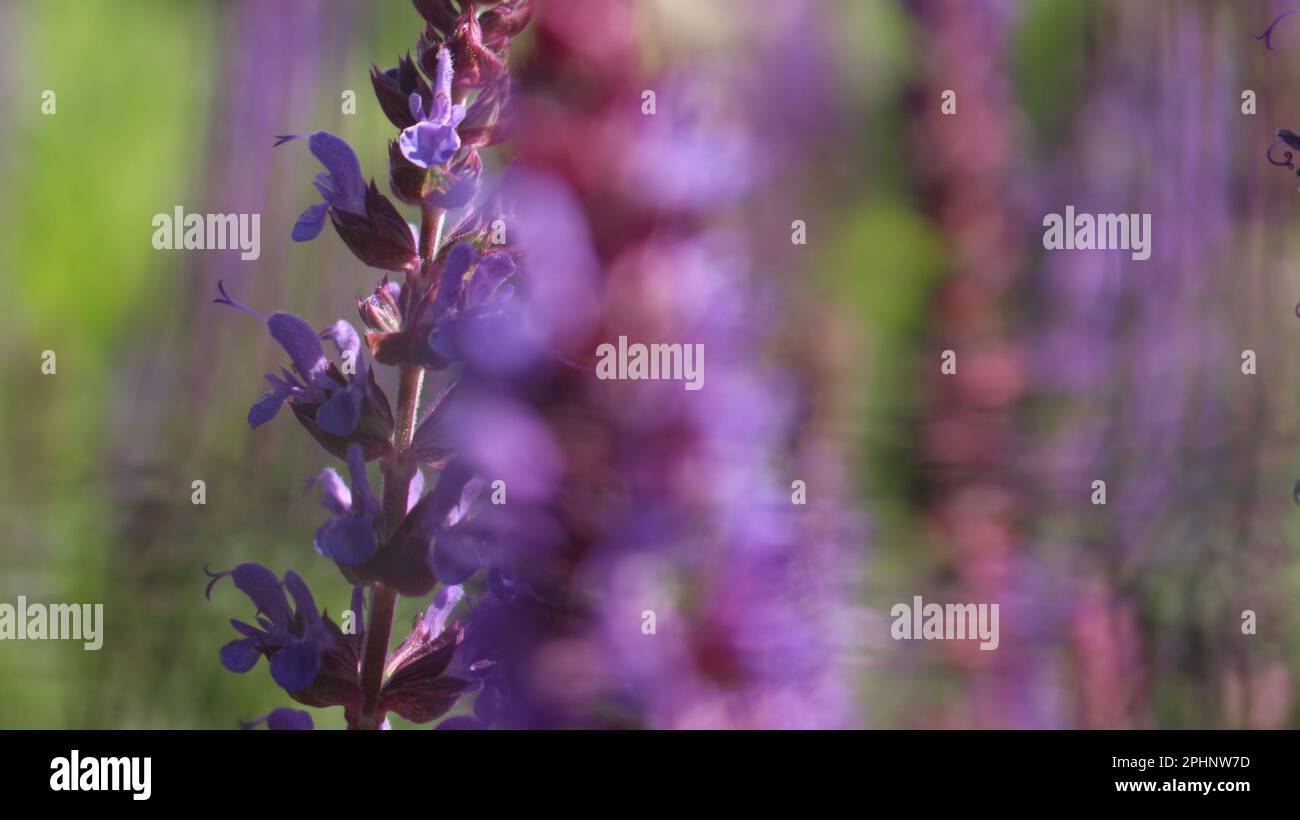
(96, 469)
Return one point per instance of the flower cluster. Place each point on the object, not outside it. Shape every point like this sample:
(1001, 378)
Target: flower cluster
(454, 299)
(650, 569)
(565, 508)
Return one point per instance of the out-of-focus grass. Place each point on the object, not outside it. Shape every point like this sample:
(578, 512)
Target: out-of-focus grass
(77, 267)
(137, 88)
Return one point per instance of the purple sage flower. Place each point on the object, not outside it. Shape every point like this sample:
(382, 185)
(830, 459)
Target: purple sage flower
(338, 407)
(349, 536)
(433, 139)
(341, 184)
(453, 296)
(310, 657)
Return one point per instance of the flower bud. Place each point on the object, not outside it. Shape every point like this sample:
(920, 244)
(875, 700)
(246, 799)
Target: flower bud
(439, 14)
(410, 183)
(504, 21)
(404, 348)
(487, 122)
(379, 311)
(476, 66)
(394, 87)
(381, 238)
(458, 185)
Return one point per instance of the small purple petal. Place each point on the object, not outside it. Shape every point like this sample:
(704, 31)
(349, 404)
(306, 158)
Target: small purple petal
(245, 629)
(280, 720)
(427, 143)
(457, 265)
(240, 655)
(345, 171)
(348, 540)
(442, 82)
(455, 555)
(301, 595)
(265, 591)
(295, 667)
(448, 492)
(492, 271)
(415, 489)
(335, 495)
(434, 620)
(361, 497)
(301, 342)
(310, 223)
(266, 408)
(345, 338)
(339, 416)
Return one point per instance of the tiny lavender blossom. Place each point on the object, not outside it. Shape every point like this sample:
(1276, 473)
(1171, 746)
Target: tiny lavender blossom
(433, 139)
(453, 296)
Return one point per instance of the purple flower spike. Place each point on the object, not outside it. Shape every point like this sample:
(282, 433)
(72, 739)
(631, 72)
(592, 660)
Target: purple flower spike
(402, 539)
(341, 184)
(433, 139)
(282, 719)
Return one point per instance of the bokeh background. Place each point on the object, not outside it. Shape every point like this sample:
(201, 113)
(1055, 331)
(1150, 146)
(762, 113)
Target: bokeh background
(923, 235)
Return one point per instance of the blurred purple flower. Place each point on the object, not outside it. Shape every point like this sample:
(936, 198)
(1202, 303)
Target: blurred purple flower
(470, 309)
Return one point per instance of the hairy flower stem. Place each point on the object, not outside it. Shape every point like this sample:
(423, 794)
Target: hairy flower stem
(397, 481)
(431, 221)
(383, 603)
